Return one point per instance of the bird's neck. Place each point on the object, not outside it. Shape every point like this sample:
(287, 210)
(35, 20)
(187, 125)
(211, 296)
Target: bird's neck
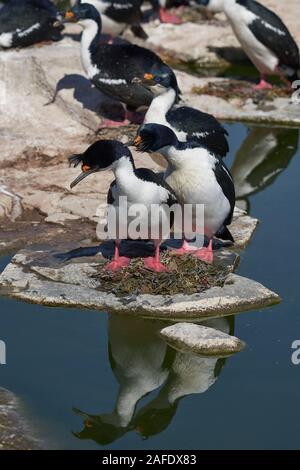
(160, 105)
(181, 157)
(125, 174)
(90, 40)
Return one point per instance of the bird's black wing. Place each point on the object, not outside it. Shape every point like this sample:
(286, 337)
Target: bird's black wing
(225, 180)
(20, 17)
(270, 30)
(200, 126)
(119, 64)
(110, 198)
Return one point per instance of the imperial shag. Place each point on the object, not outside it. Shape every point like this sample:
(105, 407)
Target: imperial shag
(112, 67)
(265, 39)
(196, 176)
(26, 22)
(117, 15)
(139, 186)
(186, 122)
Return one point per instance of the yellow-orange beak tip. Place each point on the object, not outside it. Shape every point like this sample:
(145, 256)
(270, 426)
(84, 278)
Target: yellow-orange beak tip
(148, 76)
(138, 140)
(69, 16)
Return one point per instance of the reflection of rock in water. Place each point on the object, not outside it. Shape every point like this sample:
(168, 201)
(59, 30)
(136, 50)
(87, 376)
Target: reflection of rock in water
(264, 154)
(189, 374)
(142, 362)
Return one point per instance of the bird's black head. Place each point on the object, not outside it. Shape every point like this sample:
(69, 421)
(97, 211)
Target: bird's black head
(100, 156)
(97, 429)
(82, 12)
(153, 137)
(158, 81)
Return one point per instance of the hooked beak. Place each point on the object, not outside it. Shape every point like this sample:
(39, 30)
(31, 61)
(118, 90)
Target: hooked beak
(147, 80)
(139, 144)
(86, 171)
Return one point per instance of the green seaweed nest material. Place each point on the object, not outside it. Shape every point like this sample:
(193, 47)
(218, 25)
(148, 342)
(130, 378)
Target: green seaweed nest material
(243, 90)
(188, 275)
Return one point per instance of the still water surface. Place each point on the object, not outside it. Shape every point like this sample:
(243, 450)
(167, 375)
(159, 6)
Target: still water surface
(89, 380)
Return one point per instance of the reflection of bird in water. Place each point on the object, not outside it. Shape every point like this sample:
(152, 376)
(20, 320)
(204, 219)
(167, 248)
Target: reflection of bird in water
(264, 154)
(142, 362)
(189, 374)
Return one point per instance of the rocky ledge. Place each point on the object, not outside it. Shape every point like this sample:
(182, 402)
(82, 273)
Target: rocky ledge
(71, 276)
(14, 431)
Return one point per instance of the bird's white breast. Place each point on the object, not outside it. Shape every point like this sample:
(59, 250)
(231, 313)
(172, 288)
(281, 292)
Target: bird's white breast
(240, 19)
(112, 27)
(194, 182)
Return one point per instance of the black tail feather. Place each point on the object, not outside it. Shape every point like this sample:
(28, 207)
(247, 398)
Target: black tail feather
(139, 31)
(224, 234)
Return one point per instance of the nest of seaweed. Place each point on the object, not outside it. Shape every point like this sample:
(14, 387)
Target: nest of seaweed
(229, 90)
(187, 275)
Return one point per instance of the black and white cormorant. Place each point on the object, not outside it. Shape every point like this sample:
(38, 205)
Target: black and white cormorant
(117, 15)
(265, 39)
(187, 123)
(112, 67)
(26, 22)
(137, 185)
(196, 176)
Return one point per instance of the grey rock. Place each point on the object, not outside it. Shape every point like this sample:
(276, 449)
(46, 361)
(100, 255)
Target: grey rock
(28, 278)
(15, 432)
(188, 337)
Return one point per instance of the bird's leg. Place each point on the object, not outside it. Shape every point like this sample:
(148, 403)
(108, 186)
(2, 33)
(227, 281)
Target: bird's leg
(134, 117)
(263, 84)
(118, 261)
(153, 262)
(111, 123)
(166, 17)
(184, 250)
(206, 254)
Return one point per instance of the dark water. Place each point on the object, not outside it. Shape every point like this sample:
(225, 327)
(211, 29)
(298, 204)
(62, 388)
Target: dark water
(142, 394)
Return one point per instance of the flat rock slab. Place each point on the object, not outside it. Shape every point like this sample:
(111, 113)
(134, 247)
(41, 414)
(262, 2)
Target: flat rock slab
(230, 100)
(40, 276)
(188, 337)
(14, 430)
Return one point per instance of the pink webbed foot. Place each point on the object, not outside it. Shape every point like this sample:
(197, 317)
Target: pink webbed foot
(205, 254)
(110, 123)
(185, 249)
(167, 17)
(117, 264)
(154, 265)
(263, 85)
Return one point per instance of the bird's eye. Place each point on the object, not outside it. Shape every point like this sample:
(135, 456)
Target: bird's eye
(157, 79)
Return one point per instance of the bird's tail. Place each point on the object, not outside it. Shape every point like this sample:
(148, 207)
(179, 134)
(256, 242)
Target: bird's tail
(224, 234)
